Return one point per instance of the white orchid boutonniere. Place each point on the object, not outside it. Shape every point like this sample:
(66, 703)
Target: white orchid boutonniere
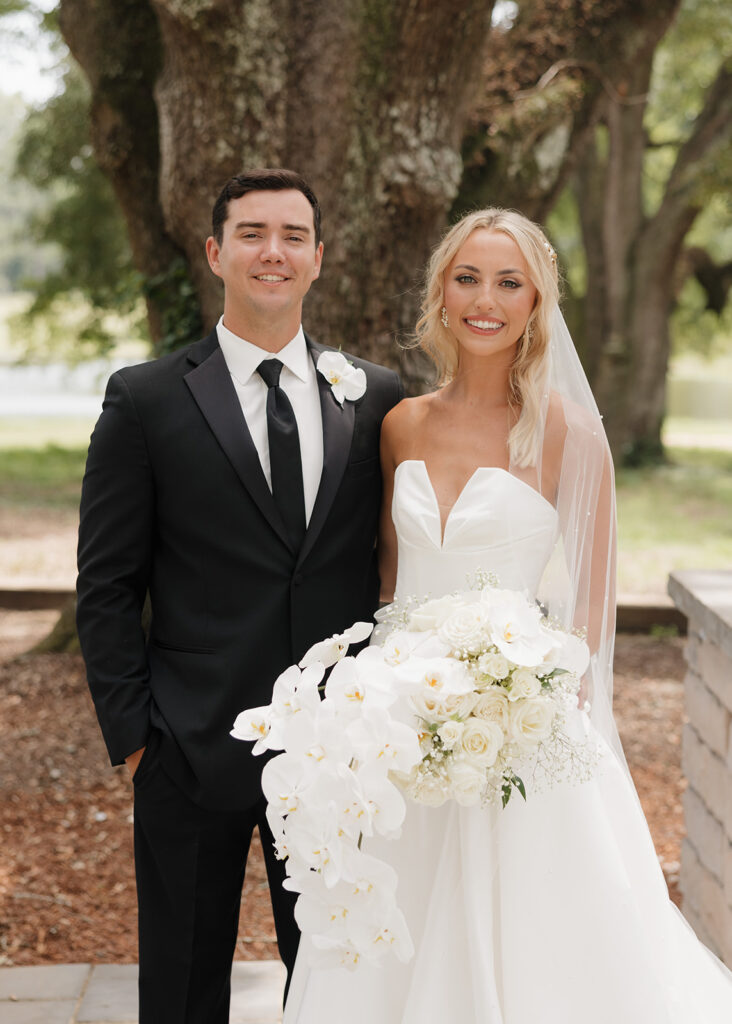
(347, 382)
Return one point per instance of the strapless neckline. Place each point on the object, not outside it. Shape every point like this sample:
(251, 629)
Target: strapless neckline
(465, 490)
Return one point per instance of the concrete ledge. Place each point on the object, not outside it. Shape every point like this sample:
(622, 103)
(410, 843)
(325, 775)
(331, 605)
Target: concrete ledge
(34, 599)
(705, 595)
(706, 746)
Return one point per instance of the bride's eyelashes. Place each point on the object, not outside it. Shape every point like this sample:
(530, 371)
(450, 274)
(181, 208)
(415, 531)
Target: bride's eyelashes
(509, 282)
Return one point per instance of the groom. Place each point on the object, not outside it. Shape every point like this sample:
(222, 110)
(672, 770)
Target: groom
(238, 487)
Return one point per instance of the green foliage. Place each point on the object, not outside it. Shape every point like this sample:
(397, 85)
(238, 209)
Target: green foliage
(176, 296)
(22, 255)
(12, 7)
(82, 220)
(697, 328)
(685, 66)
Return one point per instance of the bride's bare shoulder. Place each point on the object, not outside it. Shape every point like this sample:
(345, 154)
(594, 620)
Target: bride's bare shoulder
(403, 424)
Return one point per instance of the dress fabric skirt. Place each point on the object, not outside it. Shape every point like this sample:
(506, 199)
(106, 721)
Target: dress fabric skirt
(552, 911)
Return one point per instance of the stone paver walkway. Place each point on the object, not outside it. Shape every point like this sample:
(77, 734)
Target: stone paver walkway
(107, 994)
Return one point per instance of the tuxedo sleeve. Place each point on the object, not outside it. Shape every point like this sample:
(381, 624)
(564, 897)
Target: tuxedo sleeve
(114, 555)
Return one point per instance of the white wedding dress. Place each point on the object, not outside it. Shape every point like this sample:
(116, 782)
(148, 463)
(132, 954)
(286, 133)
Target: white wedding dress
(553, 911)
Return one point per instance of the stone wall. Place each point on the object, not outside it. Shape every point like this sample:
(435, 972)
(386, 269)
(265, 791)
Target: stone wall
(705, 597)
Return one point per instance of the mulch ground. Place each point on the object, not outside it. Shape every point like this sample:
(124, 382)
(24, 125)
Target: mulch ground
(67, 891)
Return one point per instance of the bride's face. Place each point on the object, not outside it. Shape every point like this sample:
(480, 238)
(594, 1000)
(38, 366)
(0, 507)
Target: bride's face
(488, 294)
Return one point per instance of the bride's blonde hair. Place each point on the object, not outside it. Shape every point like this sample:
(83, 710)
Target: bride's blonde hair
(530, 368)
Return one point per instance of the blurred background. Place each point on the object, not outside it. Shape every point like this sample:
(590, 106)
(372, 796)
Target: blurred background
(610, 123)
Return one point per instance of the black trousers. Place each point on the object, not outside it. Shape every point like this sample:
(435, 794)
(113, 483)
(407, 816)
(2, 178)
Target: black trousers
(190, 865)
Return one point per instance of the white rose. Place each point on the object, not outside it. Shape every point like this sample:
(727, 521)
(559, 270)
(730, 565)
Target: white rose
(523, 684)
(467, 782)
(493, 665)
(531, 720)
(429, 789)
(465, 630)
(432, 614)
(481, 741)
(450, 733)
(492, 706)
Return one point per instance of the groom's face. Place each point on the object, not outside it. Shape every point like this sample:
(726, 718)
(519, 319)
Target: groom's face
(267, 257)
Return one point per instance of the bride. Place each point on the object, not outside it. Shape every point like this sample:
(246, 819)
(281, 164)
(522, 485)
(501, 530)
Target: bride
(553, 910)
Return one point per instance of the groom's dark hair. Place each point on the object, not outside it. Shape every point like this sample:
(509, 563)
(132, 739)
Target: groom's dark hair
(261, 179)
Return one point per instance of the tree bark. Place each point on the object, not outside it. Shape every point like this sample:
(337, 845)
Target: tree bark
(641, 256)
(368, 99)
(117, 44)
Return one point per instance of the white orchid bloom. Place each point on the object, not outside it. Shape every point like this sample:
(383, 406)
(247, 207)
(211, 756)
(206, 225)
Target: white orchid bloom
(329, 651)
(335, 789)
(319, 736)
(348, 382)
(296, 691)
(439, 676)
(572, 654)
(385, 744)
(516, 628)
(284, 783)
(327, 953)
(254, 724)
(390, 935)
(399, 646)
(384, 802)
(361, 682)
(317, 842)
(293, 691)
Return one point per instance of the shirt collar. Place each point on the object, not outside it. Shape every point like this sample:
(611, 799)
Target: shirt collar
(243, 358)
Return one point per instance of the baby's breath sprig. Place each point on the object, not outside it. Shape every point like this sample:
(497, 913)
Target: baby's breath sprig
(482, 578)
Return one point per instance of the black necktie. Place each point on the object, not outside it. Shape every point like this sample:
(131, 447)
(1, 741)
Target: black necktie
(284, 453)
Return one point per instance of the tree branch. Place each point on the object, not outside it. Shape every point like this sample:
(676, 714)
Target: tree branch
(709, 136)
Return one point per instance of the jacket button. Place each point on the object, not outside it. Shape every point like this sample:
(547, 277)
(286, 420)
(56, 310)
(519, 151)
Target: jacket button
(297, 578)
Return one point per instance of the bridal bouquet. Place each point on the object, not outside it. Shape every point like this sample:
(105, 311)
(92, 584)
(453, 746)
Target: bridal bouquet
(468, 693)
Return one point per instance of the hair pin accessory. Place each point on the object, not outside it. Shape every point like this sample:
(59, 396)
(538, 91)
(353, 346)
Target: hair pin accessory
(551, 251)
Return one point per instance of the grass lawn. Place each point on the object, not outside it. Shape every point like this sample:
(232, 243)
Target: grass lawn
(47, 477)
(676, 516)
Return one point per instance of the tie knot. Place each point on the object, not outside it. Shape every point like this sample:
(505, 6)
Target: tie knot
(269, 370)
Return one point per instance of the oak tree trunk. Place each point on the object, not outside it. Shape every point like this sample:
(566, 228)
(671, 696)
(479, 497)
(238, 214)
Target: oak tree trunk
(367, 98)
(634, 258)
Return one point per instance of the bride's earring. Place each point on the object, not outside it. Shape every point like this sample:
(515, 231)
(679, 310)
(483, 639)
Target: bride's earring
(443, 317)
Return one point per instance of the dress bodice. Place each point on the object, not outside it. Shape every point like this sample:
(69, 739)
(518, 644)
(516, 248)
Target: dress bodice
(498, 523)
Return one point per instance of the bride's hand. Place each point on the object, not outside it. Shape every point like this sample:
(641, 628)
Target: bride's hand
(582, 695)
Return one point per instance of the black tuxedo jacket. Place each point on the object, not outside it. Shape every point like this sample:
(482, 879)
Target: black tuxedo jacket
(174, 502)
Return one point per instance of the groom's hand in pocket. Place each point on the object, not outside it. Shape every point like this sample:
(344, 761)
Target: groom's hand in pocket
(133, 760)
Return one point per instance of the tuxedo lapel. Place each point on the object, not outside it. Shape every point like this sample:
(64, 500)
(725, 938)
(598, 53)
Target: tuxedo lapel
(338, 423)
(210, 384)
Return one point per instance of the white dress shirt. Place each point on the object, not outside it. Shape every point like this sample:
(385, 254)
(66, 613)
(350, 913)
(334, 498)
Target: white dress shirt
(298, 381)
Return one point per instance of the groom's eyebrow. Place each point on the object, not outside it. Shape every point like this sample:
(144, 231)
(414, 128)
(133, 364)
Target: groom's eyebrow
(260, 225)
